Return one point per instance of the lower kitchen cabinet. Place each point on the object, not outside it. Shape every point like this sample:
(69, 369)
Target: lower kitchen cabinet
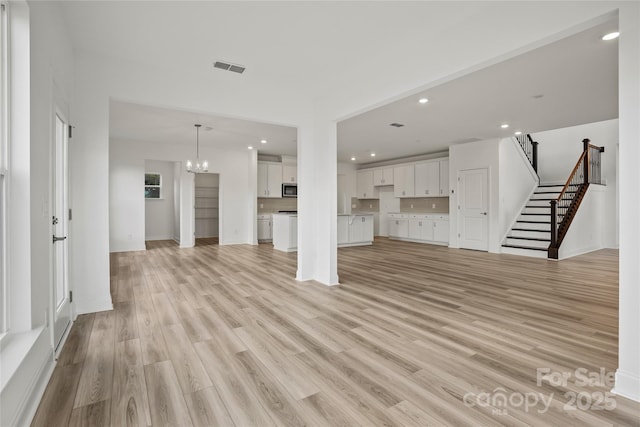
(361, 229)
(422, 228)
(265, 233)
(399, 226)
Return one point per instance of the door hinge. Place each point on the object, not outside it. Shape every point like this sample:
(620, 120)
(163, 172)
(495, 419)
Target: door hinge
(458, 234)
(70, 131)
(458, 207)
(70, 296)
(70, 214)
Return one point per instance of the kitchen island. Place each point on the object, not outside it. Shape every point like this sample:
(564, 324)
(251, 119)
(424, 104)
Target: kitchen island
(353, 230)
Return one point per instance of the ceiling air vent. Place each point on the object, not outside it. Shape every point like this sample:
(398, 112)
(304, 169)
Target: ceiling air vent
(229, 67)
(396, 125)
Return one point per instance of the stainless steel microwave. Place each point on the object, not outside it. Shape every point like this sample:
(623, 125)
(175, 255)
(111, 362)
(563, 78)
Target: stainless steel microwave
(289, 190)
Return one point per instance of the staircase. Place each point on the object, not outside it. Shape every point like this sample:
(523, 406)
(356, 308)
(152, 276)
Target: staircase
(531, 233)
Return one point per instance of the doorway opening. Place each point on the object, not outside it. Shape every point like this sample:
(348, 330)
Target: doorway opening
(206, 208)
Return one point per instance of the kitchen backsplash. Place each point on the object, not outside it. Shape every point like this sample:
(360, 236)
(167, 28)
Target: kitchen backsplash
(425, 205)
(364, 205)
(274, 205)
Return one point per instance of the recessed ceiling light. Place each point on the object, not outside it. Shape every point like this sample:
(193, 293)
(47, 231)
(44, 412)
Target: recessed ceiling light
(611, 36)
(373, 154)
(250, 147)
(423, 100)
(504, 126)
(353, 159)
(518, 132)
(263, 141)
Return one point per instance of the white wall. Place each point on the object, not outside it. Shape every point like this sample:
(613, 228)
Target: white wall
(159, 213)
(558, 152)
(628, 373)
(126, 207)
(177, 167)
(41, 76)
(587, 232)
(559, 149)
(476, 155)
(517, 182)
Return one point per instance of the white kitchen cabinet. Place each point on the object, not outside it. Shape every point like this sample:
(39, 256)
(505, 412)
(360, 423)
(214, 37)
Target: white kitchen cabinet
(444, 178)
(441, 229)
(398, 225)
(420, 227)
(383, 176)
(404, 181)
(285, 232)
(289, 174)
(427, 176)
(264, 228)
(364, 184)
(361, 228)
(269, 180)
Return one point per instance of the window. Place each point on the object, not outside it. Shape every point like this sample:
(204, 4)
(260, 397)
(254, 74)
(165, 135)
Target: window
(152, 186)
(4, 105)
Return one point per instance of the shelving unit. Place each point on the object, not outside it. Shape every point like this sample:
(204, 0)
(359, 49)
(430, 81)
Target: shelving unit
(206, 205)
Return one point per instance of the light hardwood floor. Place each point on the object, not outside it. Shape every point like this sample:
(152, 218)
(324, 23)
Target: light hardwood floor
(223, 335)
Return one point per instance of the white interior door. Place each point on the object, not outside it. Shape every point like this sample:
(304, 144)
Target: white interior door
(61, 306)
(473, 219)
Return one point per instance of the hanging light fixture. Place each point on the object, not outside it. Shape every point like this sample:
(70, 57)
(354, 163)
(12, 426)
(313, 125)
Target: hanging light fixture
(199, 167)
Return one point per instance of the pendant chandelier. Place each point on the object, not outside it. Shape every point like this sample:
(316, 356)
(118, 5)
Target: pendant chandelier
(199, 166)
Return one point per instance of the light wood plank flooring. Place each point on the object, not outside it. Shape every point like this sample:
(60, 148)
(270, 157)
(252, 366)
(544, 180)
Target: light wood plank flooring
(415, 335)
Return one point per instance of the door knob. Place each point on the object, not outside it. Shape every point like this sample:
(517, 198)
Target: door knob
(484, 213)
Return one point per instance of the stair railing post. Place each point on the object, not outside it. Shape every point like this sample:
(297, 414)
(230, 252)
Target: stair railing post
(552, 252)
(535, 155)
(585, 144)
(554, 222)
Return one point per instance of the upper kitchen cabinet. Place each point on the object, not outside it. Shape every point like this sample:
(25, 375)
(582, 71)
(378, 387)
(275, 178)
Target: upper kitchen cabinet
(364, 185)
(404, 181)
(444, 178)
(269, 179)
(382, 177)
(427, 176)
(289, 174)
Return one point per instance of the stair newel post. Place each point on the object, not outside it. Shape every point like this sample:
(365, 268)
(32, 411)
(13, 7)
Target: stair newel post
(585, 144)
(535, 155)
(553, 250)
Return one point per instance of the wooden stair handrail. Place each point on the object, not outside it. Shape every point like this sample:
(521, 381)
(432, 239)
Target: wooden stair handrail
(575, 169)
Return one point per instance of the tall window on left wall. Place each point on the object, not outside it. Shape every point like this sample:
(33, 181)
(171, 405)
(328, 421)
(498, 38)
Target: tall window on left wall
(152, 186)
(4, 165)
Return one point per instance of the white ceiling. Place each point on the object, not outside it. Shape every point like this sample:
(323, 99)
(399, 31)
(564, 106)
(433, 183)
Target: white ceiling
(577, 76)
(312, 47)
(162, 125)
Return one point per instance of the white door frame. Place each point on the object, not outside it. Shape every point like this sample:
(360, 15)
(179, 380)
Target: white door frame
(60, 301)
(483, 213)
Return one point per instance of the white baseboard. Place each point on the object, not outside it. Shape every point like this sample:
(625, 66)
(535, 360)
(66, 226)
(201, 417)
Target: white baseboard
(22, 392)
(93, 306)
(575, 252)
(163, 237)
(627, 385)
(127, 247)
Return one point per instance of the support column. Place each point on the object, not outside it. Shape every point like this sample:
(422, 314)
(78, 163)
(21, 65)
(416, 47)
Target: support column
(628, 373)
(317, 201)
